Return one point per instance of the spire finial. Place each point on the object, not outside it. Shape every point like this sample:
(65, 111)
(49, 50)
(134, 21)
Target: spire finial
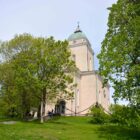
(78, 28)
(78, 24)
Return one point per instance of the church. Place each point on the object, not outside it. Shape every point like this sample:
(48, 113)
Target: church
(89, 90)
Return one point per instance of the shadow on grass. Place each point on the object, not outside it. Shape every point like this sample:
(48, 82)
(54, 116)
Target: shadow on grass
(114, 132)
(56, 120)
(4, 118)
(53, 120)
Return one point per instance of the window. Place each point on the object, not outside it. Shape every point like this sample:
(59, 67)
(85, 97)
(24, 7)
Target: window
(104, 94)
(74, 41)
(73, 57)
(78, 97)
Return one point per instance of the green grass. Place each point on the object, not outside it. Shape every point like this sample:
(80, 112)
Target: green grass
(66, 128)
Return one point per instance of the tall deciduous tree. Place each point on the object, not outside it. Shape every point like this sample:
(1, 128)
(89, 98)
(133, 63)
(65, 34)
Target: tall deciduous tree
(42, 70)
(120, 53)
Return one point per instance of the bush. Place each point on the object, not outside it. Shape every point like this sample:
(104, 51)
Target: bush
(98, 115)
(125, 115)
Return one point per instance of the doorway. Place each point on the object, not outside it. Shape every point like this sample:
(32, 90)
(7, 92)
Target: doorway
(60, 107)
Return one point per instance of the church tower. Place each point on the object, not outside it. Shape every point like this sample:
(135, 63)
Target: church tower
(89, 89)
(81, 49)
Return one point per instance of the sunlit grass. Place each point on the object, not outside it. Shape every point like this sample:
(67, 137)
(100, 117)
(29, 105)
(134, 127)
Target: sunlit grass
(65, 128)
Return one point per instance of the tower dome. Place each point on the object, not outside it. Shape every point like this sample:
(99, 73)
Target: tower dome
(78, 34)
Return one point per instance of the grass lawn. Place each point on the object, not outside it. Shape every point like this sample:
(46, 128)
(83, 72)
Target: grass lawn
(66, 128)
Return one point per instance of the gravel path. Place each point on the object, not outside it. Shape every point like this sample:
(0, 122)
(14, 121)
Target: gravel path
(8, 122)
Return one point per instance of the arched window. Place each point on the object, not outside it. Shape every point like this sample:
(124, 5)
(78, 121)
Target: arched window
(73, 57)
(104, 94)
(78, 97)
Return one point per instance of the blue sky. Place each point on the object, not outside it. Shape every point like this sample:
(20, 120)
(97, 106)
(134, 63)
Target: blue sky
(56, 18)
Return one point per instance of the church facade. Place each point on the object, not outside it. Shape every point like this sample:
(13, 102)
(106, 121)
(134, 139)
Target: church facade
(89, 90)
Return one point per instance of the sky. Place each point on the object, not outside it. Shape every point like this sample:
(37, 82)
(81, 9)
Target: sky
(56, 18)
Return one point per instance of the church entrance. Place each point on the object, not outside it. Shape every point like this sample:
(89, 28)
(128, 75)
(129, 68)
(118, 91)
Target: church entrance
(60, 107)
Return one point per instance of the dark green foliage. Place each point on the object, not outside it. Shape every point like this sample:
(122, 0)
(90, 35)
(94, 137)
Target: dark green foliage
(120, 59)
(120, 53)
(125, 115)
(98, 115)
(117, 132)
(34, 71)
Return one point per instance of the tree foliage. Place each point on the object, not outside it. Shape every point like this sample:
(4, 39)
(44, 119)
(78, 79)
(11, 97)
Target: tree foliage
(125, 115)
(98, 115)
(120, 53)
(34, 71)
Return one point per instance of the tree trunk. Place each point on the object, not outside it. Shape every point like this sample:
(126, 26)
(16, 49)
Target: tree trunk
(41, 112)
(42, 109)
(38, 112)
(25, 106)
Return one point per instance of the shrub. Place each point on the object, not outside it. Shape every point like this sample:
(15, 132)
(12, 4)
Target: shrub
(98, 115)
(125, 115)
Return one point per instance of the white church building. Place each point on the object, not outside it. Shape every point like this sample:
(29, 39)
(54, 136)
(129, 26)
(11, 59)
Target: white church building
(89, 90)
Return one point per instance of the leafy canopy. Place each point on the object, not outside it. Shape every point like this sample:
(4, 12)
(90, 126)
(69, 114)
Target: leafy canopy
(120, 53)
(34, 70)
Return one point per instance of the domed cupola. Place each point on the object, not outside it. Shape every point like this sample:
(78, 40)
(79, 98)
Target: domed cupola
(78, 34)
(81, 50)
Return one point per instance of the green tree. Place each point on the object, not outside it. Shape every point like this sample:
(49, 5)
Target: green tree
(42, 68)
(124, 115)
(15, 78)
(120, 53)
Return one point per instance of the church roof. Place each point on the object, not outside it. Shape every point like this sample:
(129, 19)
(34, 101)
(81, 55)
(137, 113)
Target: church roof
(78, 34)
